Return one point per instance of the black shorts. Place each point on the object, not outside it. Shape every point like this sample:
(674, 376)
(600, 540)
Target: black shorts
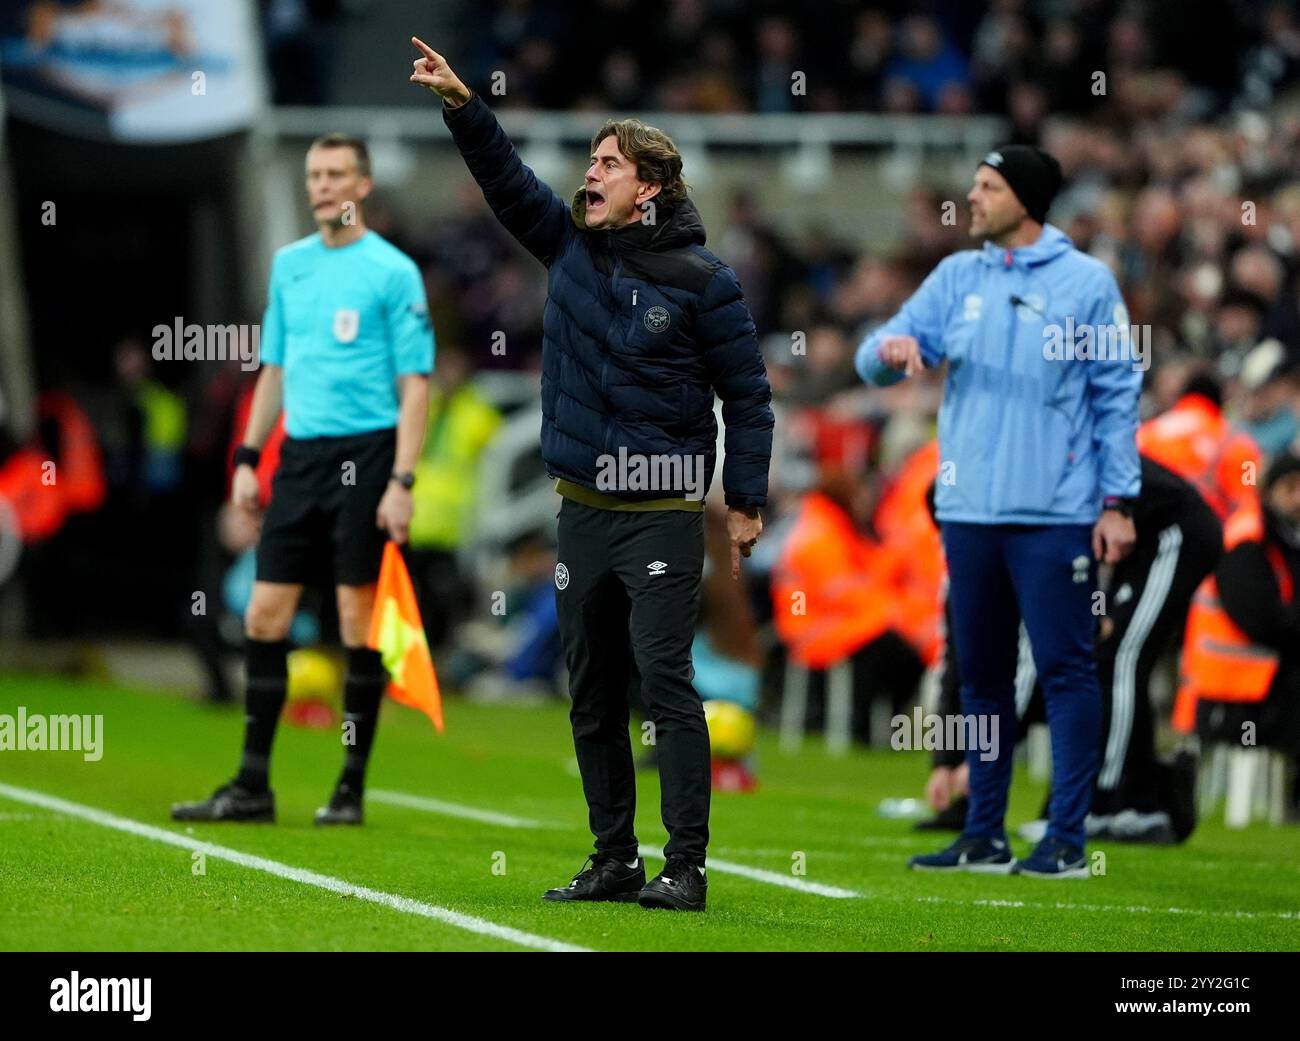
(323, 502)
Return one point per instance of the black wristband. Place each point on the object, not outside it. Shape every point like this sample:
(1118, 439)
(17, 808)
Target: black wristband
(244, 455)
(406, 479)
(1122, 506)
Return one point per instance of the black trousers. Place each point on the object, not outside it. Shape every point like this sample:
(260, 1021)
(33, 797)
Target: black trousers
(1149, 596)
(627, 589)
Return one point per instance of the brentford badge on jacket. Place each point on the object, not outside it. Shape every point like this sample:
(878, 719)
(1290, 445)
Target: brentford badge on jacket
(656, 319)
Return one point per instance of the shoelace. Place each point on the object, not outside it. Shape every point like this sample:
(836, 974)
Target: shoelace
(585, 872)
(677, 870)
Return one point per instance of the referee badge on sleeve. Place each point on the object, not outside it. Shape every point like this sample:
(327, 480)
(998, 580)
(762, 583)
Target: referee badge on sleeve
(347, 322)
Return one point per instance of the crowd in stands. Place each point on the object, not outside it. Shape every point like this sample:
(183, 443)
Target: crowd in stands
(1014, 57)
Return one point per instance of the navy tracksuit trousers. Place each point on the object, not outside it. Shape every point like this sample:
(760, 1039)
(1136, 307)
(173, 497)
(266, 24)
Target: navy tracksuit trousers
(1045, 575)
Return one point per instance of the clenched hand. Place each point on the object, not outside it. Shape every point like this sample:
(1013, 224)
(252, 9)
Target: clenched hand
(744, 525)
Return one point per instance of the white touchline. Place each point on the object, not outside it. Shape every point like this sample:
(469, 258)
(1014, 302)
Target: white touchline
(723, 867)
(450, 809)
(272, 867)
(775, 878)
(1286, 916)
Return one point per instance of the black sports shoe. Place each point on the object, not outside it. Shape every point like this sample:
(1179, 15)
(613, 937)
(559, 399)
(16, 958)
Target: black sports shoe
(680, 886)
(608, 878)
(230, 802)
(344, 807)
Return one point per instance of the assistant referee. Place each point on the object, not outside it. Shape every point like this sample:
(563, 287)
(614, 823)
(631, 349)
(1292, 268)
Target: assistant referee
(346, 350)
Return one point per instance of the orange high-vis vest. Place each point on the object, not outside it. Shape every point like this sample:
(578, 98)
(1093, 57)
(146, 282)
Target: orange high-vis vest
(81, 468)
(833, 587)
(1220, 663)
(1194, 441)
(903, 521)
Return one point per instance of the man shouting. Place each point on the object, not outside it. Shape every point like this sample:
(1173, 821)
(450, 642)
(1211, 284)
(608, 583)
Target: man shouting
(642, 326)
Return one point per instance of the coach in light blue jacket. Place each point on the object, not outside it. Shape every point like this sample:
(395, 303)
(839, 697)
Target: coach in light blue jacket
(1039, 464)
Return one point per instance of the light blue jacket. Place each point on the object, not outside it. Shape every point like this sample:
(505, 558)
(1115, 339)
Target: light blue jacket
(1036, 426)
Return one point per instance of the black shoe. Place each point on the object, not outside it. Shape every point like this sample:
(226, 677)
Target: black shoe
(230, 802)
(344, 807)
(608, 878)
(951, 819)
(680, 886)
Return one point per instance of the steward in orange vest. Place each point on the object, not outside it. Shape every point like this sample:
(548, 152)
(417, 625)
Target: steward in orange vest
(1195, 441)
(1240, 664)
(905, 524)
(840, 592)
(58, 473)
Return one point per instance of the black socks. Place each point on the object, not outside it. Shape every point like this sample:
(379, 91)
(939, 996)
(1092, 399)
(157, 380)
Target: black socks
(268, 682)
(362, 694)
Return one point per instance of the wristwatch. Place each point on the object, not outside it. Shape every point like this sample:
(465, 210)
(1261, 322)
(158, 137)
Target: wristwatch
(1122, 506)
(406, 479)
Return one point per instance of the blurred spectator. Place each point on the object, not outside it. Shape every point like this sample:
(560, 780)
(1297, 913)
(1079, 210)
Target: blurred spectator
(1239, 667)
(462, 424)
(841, 594)
(1196, 441)
(518, 656)
(297, 49)
(926, 61)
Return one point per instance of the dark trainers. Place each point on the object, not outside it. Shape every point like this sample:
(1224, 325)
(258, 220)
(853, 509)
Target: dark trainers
(680, 886)
(1053, 858)
(608, 878)
(987, 856)
(230, 802)
(344, 807)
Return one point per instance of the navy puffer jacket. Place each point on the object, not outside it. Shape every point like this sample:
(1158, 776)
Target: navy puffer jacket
(642, 326)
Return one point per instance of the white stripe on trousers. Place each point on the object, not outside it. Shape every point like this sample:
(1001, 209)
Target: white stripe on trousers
(1026, 673)
(1124, 690)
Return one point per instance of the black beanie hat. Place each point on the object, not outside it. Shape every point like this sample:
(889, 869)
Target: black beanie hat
(1285, 463)
(1034, 175)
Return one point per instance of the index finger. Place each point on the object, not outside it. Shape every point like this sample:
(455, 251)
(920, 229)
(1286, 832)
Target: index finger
(429, 52)
(735, 559)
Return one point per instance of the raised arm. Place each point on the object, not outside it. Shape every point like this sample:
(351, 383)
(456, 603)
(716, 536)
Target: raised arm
(913, 338)
(526, 207)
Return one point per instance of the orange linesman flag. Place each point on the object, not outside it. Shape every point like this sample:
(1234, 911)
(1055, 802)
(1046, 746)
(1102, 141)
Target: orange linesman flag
(397, 633)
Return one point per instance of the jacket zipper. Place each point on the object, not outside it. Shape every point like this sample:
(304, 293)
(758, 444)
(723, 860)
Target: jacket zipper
(604, 364)
(1007, 366)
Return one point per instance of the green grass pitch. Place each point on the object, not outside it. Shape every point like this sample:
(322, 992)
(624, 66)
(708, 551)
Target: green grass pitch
(68, 883)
